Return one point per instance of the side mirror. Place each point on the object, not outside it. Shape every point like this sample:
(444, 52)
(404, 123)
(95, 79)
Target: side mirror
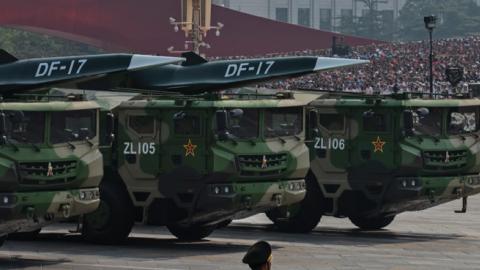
(423, 111)
(236, 113)
(313, 123)
(408, 123)
(109, 130)
(3, 128)
(222, 124)
(179, 115)
(368, 114)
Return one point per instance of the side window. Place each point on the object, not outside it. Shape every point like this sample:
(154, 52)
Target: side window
(142, 124)
(375, 123)
(332, 121)
(187, 125)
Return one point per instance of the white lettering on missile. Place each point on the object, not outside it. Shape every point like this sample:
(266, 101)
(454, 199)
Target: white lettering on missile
(258, 68)
(329, 143)
(47, 69)
(82, 63)
(53, 67)
(243, 67)
(139, 148)
(42, 69)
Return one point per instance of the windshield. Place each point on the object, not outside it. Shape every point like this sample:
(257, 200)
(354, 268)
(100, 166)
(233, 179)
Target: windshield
(283, 122)
(243, 123)
(427, 121)
(25, 127)
(462, 120)
(73, 126)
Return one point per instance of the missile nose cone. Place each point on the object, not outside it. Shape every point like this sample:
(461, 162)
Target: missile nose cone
(325, 63)
(140, 61)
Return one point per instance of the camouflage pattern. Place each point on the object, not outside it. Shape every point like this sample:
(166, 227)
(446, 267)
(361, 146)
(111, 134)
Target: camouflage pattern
(367, 167)
(45, 182)
(191, 179)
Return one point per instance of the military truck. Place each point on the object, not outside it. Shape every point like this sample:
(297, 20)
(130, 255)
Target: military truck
(192, 163)
(375, 157)
(50, 161)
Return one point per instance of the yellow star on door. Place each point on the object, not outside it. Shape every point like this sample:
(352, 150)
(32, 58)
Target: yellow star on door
(189, 148)
(378, 145)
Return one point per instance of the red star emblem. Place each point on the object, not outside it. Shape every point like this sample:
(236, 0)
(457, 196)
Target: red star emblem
(378, 145)
(189, 148)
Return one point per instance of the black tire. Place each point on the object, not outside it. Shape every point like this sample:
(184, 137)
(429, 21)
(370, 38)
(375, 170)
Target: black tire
(190, 233)
(112, 222)
(308, 215)
(2, 239)
(25, 236)
(372, 223)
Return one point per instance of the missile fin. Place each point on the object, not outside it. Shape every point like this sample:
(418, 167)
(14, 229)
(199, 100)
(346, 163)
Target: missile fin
(193, 59)
(6, 58)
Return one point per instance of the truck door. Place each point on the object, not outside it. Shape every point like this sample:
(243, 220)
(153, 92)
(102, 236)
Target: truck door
(372, 144)
(331, 152)
(184, 148)
(138, 140)
(331, 143)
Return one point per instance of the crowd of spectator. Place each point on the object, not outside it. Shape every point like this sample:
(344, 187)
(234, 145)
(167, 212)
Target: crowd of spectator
(401, 66)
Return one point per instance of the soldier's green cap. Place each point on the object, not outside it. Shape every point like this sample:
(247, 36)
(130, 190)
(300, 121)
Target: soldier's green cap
(259, 253)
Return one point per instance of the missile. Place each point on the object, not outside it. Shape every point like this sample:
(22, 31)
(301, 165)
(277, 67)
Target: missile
(197, 75)
(22, 75)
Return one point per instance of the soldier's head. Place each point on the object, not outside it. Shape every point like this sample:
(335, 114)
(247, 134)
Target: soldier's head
(259, 256)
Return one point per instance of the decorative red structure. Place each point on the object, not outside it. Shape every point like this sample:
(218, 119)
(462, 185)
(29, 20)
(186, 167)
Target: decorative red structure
(143, 26)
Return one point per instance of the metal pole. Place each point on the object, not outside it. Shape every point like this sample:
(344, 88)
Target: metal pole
(431, 64)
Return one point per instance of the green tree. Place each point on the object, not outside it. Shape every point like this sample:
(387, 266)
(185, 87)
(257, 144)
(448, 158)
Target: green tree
(454, 18)
(373, 23)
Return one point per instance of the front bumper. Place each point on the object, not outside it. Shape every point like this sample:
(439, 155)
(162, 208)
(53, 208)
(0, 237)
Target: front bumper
(240, 200)
(27, 211)
(418, 193)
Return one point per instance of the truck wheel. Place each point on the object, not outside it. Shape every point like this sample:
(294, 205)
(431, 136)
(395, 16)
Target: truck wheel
(190, 233)
(112, 222)
(372, 223)
(24, 236)
(306, 214)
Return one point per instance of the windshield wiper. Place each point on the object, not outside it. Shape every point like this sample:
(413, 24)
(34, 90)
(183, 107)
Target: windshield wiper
(89, 142)
(72, 146)
(35, 147)
(14, 146)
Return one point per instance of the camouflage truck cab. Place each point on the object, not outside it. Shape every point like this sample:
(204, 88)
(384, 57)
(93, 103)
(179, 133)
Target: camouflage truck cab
(373, 158)
(50, 164)
(192, 163)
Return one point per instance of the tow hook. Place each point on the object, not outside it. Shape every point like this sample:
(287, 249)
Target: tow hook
(78, 227)
(247, 201)
(30, 213)
(278, 199)
(65, 208)
(464, 206)
(431, 195)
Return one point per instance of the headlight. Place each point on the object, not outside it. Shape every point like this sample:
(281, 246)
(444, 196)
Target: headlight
(7, 199)
(222, 189)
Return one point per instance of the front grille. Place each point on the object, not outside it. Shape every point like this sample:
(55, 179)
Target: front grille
(47, 173)
(262, 165)
(445, 160)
